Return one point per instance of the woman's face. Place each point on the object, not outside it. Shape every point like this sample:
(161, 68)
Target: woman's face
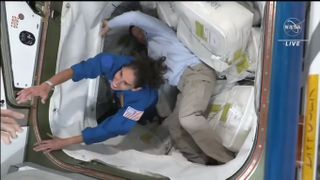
(123, 80)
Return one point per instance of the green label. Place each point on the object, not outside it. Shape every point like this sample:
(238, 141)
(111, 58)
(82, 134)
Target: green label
(200, 31)
(225, 112)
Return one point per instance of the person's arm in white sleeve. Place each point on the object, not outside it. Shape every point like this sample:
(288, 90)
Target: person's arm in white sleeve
(147, 23)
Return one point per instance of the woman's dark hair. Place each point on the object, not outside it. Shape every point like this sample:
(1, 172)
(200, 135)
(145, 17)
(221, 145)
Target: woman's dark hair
(148, 71)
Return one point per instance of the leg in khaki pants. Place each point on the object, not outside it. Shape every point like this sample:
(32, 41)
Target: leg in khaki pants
(196, 87)
(181, 139)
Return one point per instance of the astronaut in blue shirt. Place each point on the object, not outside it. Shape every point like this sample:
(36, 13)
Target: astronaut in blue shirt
(134, 81)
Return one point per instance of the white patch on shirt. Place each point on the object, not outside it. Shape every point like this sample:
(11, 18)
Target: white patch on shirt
(132, 114)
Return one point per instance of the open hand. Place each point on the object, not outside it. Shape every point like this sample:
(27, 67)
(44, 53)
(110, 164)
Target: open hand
(9, 126)
(28, 93)
(49, 145)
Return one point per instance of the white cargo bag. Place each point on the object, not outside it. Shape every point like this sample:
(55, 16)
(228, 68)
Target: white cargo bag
(244, 63)
(231, 114)
(221, 29)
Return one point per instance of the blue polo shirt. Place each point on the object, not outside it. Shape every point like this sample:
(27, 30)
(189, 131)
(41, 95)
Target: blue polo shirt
(135, 102)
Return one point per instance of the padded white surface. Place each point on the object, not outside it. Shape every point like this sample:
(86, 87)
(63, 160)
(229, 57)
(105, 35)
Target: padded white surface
(13, 153)
(72, 105)
(23, 57)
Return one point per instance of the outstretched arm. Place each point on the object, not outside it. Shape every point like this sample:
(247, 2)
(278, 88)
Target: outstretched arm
(115, 125)
(148, 23)
(57, 143)
(118, 124)
(91, 68)
(43, 89)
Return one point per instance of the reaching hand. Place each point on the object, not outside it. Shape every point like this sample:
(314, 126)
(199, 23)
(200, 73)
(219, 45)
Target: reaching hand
(49, 145)
(9, 126)
(28, 93)
(105, 28)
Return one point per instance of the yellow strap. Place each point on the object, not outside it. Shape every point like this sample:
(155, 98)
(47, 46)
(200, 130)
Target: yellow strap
(311, 130)
(224, 115)
(216, 108)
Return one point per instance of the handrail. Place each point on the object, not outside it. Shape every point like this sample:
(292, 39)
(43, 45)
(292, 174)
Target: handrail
(34, 110)
(256, 156)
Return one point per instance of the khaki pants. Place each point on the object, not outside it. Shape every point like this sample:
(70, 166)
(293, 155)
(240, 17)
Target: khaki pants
(187, 124)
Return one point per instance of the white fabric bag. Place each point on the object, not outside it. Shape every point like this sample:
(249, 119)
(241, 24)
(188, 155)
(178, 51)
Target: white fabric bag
(221, 29)
(231, 114)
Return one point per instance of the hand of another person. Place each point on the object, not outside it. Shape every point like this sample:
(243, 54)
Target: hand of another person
(105, 28)
(9, 126)
(28, 93)
(50, 145)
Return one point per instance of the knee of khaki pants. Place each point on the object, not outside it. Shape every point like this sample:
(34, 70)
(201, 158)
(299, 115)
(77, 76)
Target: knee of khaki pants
(191, 123)
(194, 103)
(195, 98)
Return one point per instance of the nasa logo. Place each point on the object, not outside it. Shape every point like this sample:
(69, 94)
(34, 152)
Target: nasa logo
(292, 27)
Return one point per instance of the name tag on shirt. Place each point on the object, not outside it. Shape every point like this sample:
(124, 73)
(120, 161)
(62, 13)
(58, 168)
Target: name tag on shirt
(132, 114)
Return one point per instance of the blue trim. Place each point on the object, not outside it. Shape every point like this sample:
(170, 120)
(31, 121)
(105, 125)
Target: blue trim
(282, 131)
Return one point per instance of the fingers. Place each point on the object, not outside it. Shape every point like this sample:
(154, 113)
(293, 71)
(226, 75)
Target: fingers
(11, 114)
(103, 32)
(23, 99)
(44, 99)
(45, 146)
(21, 91)
(27, 94)
(5, 137)
(24, 96)
(105, 24)
(49, 145)
(105, 28)
(42, 147)
(11, 129)
(7, 121)
(9, 126)
(50, 135)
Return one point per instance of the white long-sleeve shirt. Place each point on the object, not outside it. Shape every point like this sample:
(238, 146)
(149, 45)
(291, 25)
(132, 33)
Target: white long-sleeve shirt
(161, 41)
